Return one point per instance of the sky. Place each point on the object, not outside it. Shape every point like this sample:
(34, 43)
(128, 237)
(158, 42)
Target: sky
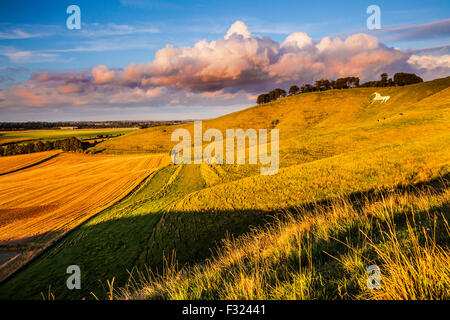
(164, 60)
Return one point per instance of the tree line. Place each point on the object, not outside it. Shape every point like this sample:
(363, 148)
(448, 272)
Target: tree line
(60, 125)
(399, 79)
(68, 144)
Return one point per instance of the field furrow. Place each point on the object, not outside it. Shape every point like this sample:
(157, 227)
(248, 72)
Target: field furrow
(13, 164)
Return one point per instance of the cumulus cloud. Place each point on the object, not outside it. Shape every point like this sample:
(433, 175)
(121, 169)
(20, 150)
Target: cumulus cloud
(102, 74)
(298, 40)
(239, 29)
(430, 62)
(431, 66)
(225, 71)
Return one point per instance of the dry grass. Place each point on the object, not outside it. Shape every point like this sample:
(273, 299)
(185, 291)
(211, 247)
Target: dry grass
(323, 254)
(420, 270)
(397, 164)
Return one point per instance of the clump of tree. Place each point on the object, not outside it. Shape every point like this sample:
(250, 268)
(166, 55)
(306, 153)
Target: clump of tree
(383, 82)
(403, 79)
(68, 144)
(307, 88)
(322, 85)
(400, 79)
(346, 83)
(271, 96)
(294, 90)
(319, 85)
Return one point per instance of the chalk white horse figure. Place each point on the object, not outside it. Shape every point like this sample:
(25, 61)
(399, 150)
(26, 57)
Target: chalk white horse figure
(378, 96)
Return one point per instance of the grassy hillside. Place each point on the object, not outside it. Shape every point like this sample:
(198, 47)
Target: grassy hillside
(310, 123)
(339, 155)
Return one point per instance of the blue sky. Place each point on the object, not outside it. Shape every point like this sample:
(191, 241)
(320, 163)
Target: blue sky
(34, 40)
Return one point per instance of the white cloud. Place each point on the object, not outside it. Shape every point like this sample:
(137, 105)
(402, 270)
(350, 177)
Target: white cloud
(238, 28)
(17, 34)
(226, 71)
(430, 62)
(24, 56)
(94, 30)
(299, 40)
(102, 74)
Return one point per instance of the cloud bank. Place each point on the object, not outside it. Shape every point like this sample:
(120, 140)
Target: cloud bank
(225, 71)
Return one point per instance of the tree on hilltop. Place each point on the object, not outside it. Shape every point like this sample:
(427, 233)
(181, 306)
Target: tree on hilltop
(402, 79)
(384, 80)
(294, 90)
(323, 84)
(260, 99)
(307, 88)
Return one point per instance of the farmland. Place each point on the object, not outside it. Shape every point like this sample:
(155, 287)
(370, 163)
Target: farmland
(45, 135)
(41, 203)
(15, 163)
(355, 180)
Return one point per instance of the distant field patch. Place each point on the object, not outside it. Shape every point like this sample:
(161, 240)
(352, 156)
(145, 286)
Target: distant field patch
(31, 135)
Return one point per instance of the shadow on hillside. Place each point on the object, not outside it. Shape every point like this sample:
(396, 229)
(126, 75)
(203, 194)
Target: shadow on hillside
(113, 248)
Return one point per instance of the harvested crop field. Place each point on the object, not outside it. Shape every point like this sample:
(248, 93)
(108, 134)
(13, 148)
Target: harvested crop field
(14, 163)
(41, 203)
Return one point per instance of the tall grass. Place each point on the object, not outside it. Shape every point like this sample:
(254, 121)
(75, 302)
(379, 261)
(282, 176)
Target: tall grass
(323, 253)
(420, 271)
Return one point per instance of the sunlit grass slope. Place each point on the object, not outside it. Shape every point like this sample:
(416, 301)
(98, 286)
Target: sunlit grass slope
(202, 218)
(353, 148)
(323, 252)
(396, 164)
(322, 124)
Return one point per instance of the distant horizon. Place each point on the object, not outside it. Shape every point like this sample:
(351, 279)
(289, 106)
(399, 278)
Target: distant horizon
(69, 121)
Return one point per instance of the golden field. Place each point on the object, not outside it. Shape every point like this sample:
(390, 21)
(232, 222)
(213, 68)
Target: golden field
(57, 195)
(15, 163)
(66, 190)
